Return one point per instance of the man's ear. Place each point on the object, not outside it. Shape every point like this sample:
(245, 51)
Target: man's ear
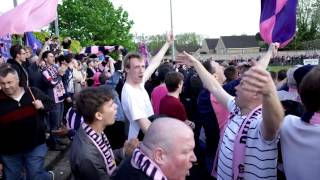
(159, 156)
(98, 116)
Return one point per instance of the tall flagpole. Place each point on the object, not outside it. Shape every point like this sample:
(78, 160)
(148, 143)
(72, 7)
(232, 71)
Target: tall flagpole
(173, 53)
(15, 3)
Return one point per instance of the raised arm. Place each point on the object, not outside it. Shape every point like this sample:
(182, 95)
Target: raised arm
(258, 80)
(265, 59)
(156, 60)
(207, 79)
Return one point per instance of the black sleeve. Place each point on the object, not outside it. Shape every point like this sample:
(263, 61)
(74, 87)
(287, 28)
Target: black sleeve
(87, 170)
(47, 102)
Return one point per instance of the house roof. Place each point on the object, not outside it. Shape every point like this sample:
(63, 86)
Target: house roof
(243, 41)
(212, 43)
(190, 48)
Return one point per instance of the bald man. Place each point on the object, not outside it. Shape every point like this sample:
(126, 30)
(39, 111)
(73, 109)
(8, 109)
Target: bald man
(166, 152)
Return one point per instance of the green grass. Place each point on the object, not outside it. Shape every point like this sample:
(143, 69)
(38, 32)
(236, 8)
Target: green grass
(278, 68)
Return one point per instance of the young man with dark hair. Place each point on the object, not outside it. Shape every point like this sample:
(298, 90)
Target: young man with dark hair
(22, 130)
(161, 90)
(91, 155)
(17, 62)
(56, 91)
(170, 104)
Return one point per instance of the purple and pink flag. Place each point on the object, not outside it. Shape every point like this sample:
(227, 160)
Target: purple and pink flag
(29, 16)
(278, 21)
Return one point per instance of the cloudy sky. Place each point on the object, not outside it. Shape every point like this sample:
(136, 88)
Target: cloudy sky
(211, 18)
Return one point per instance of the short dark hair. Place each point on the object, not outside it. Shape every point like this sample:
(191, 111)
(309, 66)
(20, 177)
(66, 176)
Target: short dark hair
(90, 100)
(274, 75)
(309, 90)
(45, 54)
(6, 69)
(282, 74)
(163, 70)
(207, 64)
(128, 57)
(172, 80)
(231, 73)
(14, 50)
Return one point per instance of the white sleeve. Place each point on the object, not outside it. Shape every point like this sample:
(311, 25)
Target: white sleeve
(231, 105)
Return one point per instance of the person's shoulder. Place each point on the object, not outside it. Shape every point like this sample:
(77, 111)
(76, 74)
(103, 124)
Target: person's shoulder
(127, 171)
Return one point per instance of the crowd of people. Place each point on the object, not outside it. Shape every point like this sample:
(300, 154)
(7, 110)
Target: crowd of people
(185, 119)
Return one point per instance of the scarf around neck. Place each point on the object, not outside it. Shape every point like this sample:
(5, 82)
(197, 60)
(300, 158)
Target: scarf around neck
(140, 161)
(103, 145)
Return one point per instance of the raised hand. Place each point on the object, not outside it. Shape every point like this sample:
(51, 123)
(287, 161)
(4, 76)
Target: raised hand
(258, 80)
(185, 58)
(170, 38)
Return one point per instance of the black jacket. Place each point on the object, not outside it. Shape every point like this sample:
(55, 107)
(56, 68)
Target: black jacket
(21, 70)
(21, 125)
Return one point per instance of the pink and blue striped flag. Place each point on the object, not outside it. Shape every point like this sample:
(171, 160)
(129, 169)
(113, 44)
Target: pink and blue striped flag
(278, 21)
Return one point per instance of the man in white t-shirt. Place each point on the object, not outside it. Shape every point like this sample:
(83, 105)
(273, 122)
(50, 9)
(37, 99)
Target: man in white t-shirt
(134, 98)
(250, 128)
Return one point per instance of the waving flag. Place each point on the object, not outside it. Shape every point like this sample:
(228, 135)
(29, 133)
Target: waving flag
(5, 45)
(28, 16)
(278, 21)
(33, 42)
(143, 50)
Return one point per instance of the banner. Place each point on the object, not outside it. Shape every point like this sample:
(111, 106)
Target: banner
(5, 45)
(33, 42)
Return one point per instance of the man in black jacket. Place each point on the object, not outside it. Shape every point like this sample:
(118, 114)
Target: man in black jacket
(19, 63)
(22, 130)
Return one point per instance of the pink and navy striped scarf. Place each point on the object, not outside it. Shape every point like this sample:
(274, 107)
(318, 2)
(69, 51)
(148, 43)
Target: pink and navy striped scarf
(104, 147)
(140, 161)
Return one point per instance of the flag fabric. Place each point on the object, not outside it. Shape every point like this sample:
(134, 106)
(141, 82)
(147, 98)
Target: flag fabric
(30, 15)
(101, 49)
(143, 50)
(5, 45)
(278, 21)
(33, 42)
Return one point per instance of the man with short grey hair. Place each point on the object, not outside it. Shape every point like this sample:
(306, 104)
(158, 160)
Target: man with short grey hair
(22, 129)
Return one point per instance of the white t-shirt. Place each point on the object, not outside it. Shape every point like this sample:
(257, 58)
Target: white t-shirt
(260, 155)
(136, 105)
(300, 146)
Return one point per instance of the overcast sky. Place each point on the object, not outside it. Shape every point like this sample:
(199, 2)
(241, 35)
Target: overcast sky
(211, 18)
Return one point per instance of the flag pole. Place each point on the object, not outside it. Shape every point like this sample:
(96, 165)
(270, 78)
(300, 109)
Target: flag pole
(173, 53)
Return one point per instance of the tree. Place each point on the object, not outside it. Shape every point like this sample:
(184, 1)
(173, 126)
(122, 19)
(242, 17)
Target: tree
(95, 22)
(308, 23)
(155, 42)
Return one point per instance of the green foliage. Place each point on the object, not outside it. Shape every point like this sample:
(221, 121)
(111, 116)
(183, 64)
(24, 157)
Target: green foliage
(308, 23)
(155, 42)
(75, 44)
(95, 22)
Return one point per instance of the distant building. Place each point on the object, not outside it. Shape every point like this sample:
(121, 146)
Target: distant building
(208, 46)
(237, 45)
